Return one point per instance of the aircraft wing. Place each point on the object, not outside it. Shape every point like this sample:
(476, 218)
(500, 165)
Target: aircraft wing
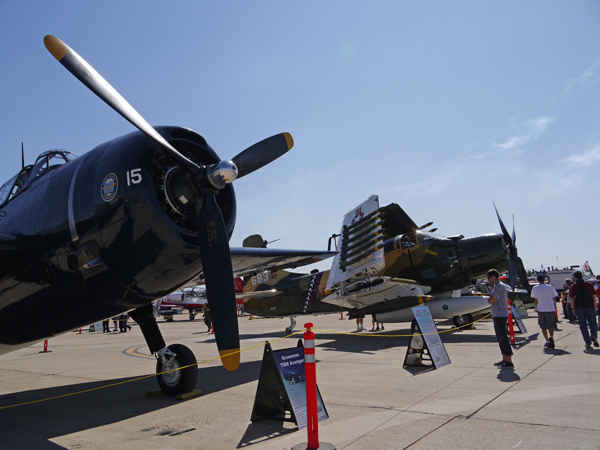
(257, 294)
(248, 261)
(396, 221)
(373, 291)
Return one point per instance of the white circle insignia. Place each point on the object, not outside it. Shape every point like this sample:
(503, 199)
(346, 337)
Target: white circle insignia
(108, 189)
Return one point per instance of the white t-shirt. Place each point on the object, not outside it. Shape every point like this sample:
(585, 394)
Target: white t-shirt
(545, 294)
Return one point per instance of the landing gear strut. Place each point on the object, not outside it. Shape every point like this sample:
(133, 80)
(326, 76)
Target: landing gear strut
(289, 329)
(175, 356)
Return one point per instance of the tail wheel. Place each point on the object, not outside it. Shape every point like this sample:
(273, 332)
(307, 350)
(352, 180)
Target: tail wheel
(178, 381)
(462, 321)
(192, 316)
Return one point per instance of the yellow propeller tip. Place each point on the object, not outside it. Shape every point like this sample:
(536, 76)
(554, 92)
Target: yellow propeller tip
(230, 358)
(289, 140)
(56, 47)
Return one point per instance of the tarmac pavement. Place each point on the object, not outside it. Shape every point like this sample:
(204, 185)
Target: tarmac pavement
(93, 388)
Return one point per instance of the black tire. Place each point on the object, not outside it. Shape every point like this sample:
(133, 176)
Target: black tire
(463, 321)
(192, 316)
(178, 381)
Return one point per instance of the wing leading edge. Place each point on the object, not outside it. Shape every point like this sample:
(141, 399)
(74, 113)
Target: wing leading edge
(248, 260)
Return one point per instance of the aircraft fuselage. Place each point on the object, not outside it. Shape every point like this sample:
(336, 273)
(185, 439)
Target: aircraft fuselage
(112, 200)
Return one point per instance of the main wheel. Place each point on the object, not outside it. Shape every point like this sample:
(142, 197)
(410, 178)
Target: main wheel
(178, 381)
(192, 316)
(462, 321)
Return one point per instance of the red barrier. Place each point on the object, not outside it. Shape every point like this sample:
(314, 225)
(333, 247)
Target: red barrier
(46, 347)
(511, 328)
(310, 363)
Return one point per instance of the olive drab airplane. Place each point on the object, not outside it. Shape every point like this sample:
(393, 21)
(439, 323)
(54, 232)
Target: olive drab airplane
(130, 221)
(387, 264)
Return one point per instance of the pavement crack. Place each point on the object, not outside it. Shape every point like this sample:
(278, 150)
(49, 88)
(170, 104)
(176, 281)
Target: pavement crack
(432, 431)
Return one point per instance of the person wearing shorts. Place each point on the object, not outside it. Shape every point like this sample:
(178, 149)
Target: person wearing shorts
(544, 296)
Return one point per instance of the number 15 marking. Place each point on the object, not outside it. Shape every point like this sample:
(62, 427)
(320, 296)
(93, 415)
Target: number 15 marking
(134, 177)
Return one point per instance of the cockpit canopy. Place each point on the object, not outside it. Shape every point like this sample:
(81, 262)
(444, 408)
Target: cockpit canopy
(404, 241)
(45, 163)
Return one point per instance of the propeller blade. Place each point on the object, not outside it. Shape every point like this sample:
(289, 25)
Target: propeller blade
(514, 235)
(99, 86)
(513, 266)
(507, 237)
(428, 224)
(262, 153)
(523, 276)
(218, 275)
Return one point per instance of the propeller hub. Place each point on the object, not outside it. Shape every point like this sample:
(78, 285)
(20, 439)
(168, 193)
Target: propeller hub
(222, 173)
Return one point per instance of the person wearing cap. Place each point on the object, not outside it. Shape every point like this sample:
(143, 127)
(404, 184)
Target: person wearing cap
(499, 301)
(544, 296)
(583, 300)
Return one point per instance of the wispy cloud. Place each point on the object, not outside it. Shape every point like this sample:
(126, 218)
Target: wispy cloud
(524, 133)
(586, 79)
(585, 159)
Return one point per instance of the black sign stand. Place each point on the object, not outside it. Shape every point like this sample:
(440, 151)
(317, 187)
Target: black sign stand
(272, 400)
(417, 353)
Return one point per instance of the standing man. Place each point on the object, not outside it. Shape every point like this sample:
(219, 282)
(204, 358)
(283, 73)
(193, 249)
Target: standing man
(598, 292)
(499, 301)
(544, 296)
(583, 301)
(566, 304)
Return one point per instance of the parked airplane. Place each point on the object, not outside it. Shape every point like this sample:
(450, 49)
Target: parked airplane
(87, 238)
(192, 299)
(386, 265)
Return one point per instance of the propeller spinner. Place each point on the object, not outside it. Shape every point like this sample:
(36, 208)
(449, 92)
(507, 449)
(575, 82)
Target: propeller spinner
(207, 181)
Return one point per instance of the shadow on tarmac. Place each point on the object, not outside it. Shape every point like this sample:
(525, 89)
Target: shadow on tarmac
(263, 431)
(32, 426)
(508, 375)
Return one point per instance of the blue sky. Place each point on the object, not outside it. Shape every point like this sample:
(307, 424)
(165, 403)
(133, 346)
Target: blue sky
(441, 107)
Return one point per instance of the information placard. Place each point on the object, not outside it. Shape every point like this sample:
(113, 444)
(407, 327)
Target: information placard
(290, 363)
(518, 320)
(431, 336)
(521, 307)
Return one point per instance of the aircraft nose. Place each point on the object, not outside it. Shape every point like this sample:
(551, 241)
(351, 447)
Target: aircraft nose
(484, 252)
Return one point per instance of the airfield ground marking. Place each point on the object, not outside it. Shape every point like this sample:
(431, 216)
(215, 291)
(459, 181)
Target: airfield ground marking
(202, 362)
(145, 376)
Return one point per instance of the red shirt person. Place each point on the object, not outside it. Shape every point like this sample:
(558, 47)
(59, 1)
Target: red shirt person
(583, 300)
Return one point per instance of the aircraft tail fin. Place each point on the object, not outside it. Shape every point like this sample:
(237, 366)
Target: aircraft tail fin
(587, 271)
(361, 243)
(255, 241)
